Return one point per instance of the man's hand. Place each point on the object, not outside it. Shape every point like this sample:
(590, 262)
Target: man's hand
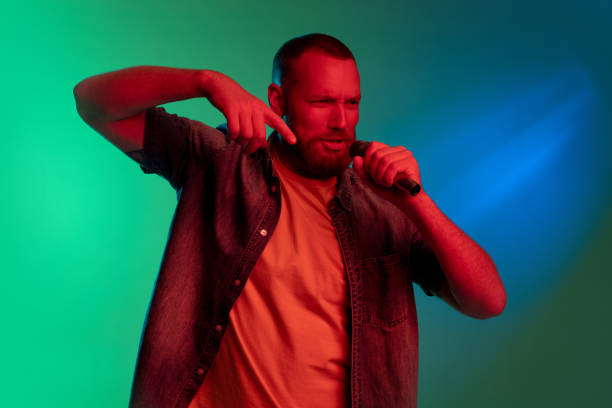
(246, 115)
(381, 165)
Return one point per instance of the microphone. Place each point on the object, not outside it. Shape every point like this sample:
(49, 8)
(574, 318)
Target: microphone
(403, 182)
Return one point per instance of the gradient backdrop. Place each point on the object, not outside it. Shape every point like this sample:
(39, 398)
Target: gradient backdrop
(505, 104)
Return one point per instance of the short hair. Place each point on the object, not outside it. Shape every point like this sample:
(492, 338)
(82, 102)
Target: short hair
(292, 49)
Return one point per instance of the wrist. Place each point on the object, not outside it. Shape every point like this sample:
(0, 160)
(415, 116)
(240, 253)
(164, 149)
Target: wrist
(205, 80)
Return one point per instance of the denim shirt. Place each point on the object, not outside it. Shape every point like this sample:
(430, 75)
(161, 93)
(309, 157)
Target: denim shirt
(228, 206)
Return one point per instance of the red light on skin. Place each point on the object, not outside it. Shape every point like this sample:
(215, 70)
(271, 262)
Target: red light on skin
(321, 105)
(334, 146)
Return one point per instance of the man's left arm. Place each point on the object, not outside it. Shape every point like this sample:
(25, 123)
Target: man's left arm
(473, 285)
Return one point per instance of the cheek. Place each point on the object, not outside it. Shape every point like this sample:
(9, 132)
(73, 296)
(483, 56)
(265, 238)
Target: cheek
(314, 118)
(353, 117)
(310, 125)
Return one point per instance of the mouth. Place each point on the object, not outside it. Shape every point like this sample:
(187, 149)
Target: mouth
(334, 144)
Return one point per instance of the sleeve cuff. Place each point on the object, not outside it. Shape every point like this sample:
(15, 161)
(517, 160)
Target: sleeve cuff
(151, 143)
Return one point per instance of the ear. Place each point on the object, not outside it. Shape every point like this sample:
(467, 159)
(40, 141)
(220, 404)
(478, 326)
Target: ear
(276, 99)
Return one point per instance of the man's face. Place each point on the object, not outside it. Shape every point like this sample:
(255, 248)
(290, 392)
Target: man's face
(322, 109)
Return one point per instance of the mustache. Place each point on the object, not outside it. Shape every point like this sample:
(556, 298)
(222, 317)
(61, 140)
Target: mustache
(338, 136)
(342, 136)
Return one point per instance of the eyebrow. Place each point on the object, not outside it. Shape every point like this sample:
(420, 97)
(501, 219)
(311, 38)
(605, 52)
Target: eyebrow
(325, 96)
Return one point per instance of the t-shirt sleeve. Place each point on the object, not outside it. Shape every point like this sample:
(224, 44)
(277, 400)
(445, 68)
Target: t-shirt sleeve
(175, 146)
(426, 270)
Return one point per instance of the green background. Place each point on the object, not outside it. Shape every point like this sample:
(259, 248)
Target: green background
(84, 229)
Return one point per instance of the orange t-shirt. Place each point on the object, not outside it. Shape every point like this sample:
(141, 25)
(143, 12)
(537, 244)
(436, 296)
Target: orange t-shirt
(287, 341)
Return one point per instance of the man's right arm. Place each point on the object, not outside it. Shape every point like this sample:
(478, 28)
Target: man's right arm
(114, 104)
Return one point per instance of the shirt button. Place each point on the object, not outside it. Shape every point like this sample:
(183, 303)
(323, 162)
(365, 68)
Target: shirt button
(263, 232)
(218, 328)
(200, 371)
(237, 282)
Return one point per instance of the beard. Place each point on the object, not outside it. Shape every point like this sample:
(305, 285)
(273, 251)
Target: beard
(313, 160)
(317, 162)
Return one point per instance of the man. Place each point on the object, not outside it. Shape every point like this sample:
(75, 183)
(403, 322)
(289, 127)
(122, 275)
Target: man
(287, 276)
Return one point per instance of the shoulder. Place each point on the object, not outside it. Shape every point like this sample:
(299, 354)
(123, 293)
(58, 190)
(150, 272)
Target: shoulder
(367, 201)
(376, 221)
(200, 135)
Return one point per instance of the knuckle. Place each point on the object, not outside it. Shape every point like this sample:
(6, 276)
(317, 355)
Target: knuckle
(232, 129)
(247, 133)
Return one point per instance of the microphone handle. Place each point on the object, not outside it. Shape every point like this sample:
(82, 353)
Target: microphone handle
(403, 182)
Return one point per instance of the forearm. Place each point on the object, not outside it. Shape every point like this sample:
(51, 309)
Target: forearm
(120, 94)
(470, 272)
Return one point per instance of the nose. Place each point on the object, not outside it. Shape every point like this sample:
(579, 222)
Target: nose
(338, 117)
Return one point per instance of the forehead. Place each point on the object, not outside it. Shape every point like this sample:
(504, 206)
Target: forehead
(316, 73)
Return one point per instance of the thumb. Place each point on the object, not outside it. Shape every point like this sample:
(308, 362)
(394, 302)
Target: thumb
(358, 164)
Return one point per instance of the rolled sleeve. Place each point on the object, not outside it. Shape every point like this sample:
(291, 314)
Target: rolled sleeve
(174, 146)
(426, 270)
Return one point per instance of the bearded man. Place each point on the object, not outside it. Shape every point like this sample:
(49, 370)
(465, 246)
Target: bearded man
(287, 276)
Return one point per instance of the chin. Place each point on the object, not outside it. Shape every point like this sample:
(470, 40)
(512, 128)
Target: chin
(324, 169)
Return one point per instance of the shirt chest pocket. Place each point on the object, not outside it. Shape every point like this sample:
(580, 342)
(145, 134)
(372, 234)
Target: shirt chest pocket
(387, 291)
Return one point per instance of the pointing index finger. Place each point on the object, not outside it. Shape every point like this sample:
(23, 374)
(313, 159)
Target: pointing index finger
(276, 123)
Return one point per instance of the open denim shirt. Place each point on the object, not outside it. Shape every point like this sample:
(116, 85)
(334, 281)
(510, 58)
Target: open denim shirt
(228, 206)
